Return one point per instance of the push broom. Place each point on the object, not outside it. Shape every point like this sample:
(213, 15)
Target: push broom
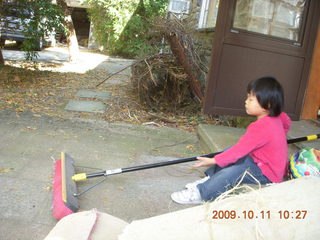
(65, 196)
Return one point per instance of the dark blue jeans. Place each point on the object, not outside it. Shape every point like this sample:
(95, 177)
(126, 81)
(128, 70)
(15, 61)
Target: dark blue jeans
(221, 179)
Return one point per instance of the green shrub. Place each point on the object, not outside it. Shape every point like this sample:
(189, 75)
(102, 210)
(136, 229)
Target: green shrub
(122, 27)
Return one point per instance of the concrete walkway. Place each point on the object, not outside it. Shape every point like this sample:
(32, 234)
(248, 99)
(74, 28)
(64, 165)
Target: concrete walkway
(30, 144)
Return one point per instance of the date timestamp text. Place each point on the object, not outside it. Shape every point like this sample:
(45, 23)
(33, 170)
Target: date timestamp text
(250, 214)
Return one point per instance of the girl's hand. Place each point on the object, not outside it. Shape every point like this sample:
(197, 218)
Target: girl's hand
(204, 162)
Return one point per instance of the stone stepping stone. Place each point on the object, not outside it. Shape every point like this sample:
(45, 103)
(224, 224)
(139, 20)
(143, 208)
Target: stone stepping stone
(85, 106)
(93, 94)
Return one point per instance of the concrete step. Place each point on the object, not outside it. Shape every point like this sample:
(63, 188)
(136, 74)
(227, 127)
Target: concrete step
(86, 106)
(93, 94)
(305, 128)
(216, 138)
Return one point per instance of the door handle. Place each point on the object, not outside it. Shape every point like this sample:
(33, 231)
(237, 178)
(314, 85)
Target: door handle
(234, 31)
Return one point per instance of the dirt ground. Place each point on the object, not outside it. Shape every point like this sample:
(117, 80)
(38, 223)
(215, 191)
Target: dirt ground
(37, 88)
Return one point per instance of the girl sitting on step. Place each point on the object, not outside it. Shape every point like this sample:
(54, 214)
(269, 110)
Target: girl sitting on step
(262, 150)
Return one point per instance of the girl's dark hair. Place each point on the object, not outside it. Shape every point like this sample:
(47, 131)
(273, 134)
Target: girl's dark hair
(269, 94)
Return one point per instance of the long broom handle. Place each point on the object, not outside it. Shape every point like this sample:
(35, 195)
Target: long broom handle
(306, 138)
(172, 162)
(84, 176)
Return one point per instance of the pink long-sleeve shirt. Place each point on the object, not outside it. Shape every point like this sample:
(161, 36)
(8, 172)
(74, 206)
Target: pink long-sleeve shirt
(265, 141)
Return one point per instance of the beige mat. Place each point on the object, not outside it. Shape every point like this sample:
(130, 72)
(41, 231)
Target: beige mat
(289, 210)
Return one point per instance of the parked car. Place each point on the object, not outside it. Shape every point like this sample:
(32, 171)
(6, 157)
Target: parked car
(12, 28)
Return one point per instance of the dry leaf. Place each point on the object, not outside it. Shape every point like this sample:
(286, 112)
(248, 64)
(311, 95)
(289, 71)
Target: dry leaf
(6, 170)
(29, 128)
(190, 147)
(17, 79)
(48, 188)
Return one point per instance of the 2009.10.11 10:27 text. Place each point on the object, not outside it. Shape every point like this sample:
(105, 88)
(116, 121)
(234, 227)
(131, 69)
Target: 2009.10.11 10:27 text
(250, 214)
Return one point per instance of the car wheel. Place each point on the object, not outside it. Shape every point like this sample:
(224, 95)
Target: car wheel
(19, 44)
(39, 45)
(2, 42)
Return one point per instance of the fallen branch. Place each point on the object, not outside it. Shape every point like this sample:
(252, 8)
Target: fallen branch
(163, 119)
(187, 54)
(114, 74)
(140, 60)
(181, 53)
(151, 75)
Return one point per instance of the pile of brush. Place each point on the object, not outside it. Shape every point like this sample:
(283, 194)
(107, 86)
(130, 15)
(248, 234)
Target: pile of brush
(170, 81)
(160, 83)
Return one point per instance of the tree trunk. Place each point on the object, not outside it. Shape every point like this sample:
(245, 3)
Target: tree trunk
(1, 58)
(71, 33)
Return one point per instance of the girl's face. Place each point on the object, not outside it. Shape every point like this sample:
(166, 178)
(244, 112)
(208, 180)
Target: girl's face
(253, 107)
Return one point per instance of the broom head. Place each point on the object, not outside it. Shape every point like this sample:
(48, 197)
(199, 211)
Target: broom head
(64, 188)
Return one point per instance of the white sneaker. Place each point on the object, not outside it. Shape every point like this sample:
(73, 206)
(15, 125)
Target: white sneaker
(187, 196)
(195, 183)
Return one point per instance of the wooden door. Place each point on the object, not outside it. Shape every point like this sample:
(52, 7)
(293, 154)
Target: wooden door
(256, 38)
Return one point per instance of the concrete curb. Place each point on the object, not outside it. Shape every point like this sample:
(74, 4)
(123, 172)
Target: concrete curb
(216, 138)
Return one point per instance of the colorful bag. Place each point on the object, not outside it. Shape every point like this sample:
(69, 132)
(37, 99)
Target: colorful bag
(305, 162)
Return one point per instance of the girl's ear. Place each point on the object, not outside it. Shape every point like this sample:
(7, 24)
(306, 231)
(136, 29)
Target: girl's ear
(269, 105)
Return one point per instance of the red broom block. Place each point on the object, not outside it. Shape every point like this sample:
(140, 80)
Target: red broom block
(60, 209)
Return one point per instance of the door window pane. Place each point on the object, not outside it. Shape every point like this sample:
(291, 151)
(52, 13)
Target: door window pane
(279, 18)
(208, 13)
